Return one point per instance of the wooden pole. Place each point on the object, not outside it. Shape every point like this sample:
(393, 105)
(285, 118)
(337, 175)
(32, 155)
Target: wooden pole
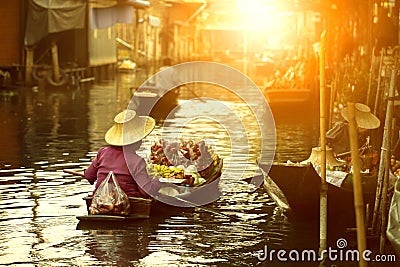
(245, 51)
(388, 154)
(136, 37)
(177, 46)
(324, 186)
(155, 43)
(357, 184)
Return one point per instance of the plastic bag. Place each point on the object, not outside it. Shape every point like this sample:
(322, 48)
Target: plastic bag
(109, 198)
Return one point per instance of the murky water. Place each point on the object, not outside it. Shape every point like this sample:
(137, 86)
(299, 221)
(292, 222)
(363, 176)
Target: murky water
(45, 131)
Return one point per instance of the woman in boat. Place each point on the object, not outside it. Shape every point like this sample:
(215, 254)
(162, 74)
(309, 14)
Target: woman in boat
(338, 136)
(124, 138)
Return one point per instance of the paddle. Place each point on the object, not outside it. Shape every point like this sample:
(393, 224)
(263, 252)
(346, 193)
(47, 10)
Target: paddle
(194, 93)
(232, 217)
(74, 173)
(255, 180)
(194, 205)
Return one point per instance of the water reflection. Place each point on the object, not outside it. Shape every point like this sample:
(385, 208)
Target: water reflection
(50, 130)
(118, 247)
(11, 147)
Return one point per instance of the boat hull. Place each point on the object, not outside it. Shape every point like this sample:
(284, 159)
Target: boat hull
(159, 205)
(298, 187)
(292, 97)
(150, 101)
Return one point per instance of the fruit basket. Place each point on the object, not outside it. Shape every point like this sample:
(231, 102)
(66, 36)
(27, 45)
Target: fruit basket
(188, 163)
(395, 166)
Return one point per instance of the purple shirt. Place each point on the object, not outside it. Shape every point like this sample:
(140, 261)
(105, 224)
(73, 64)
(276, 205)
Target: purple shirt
(112, 158)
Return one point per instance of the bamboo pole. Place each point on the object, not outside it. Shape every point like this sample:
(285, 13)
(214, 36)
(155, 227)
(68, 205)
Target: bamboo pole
(331, 103)
(378, 192)
(371, 74)
(324, 186)
(388, 154)
(379, 82)
(382, 163)
(357, 185)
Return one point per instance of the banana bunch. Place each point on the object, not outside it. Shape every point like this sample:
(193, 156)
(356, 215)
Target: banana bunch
(165, 171)
(216, 160)
(175, 172)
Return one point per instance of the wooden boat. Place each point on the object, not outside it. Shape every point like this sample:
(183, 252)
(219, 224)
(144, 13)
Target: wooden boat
(160, 204)
(296, 189)
(173, 196)
(140, 209)
(276, 97)
(151, 100)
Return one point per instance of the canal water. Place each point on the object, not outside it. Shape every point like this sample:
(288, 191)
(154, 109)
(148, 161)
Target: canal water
(47, 130)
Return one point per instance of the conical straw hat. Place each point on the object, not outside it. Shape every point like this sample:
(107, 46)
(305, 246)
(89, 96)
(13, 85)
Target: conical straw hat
(364, 118)
(129, 128)
(315, 157)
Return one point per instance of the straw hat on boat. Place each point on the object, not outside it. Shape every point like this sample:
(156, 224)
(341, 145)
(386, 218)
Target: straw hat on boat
(315, 157)
(129, 128)
(364, 118)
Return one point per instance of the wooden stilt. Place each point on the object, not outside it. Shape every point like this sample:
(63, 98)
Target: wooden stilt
(56, 66)
(29, 65)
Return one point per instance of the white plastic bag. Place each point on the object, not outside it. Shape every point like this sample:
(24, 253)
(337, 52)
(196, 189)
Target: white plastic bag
(109, 198)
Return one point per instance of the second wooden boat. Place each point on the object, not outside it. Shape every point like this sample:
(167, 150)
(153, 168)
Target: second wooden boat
(150, 100)
(277, 97)
(296, 189)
